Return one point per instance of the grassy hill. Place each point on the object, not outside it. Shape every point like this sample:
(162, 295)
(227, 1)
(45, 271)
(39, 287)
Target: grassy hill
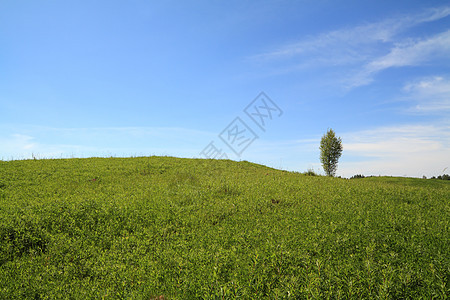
(142, 228)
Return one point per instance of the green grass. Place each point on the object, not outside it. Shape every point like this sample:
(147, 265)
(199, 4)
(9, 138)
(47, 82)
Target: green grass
(139, 228)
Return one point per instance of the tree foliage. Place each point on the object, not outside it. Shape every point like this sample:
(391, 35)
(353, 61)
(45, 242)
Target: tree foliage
(330, 152)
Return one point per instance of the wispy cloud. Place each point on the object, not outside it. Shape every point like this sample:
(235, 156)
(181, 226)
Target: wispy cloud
(430, 95)
(347, 38)
(370, 48)
(411, 53)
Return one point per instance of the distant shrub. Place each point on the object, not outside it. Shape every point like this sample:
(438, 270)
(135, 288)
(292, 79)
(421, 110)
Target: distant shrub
(310, 172)
(357, 176)
(444, 177)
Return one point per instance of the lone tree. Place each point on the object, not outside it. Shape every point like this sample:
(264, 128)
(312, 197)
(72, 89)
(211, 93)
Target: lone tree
(330, 151)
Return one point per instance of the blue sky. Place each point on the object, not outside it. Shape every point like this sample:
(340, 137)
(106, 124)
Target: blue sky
(138, 78)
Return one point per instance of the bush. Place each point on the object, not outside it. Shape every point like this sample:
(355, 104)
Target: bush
(357, 176)
(310, 172)
(442, 177)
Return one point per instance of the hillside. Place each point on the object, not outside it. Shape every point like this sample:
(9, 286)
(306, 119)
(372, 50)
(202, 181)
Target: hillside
(140, 228)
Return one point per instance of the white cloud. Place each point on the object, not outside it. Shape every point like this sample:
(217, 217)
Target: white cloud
(431, 95)
(23, 146)
(432, 14)
(17, 142)
(367, 49)
(349, 46)
(23, 141)
(47, 142)
(407, 150)
(411, 53)
(347, 42)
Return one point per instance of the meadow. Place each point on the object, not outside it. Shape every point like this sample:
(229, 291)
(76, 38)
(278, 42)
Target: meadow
(172, 228)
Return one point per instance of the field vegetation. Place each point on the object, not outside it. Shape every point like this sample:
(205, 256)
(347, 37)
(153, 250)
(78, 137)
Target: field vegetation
(172, 228)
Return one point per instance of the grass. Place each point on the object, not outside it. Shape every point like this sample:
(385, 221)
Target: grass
(162, 227)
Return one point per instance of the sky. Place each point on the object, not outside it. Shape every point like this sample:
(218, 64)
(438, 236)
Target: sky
(260, 81)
